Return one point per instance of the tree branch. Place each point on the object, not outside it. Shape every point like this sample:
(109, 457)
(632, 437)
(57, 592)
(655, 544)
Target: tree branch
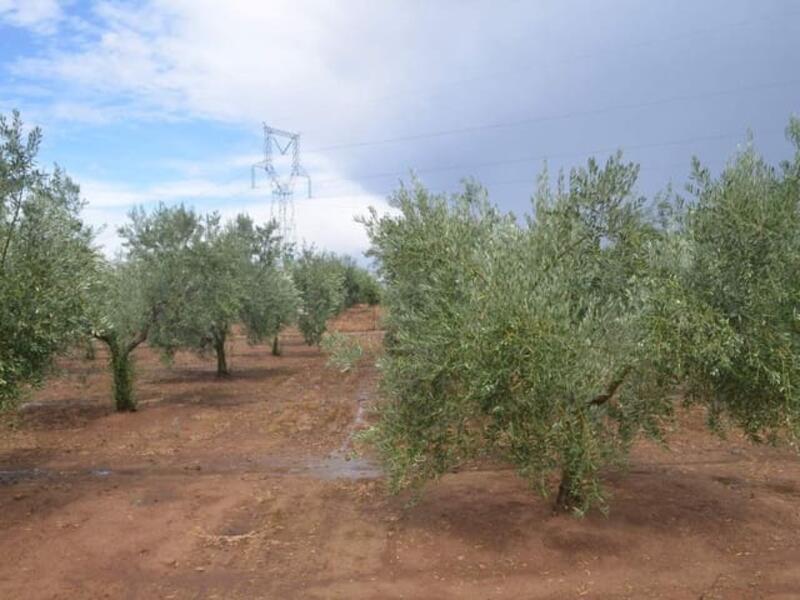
(138, 339)
(141, 336)
(12, 227)
(611, 390)
(103, 337)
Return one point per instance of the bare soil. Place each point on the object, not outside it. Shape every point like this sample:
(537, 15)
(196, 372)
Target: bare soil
(241, 488)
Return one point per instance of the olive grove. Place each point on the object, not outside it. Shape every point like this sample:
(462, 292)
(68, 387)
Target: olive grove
(219, 275)
(554, 343)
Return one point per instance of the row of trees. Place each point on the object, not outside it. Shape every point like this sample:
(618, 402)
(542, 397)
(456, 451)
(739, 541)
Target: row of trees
(182, 281)
(186, 279)
(554, 342)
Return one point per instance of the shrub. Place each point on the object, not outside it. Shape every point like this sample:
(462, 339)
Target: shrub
(343, 351)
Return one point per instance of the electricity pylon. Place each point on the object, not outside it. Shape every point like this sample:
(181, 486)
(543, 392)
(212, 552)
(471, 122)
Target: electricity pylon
(282, 205)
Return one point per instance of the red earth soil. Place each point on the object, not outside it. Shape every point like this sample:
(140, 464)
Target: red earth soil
(241, 488)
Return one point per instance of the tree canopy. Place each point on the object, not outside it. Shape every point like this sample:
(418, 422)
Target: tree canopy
(122, 312)
(360, 286)
(742, 269)
(320, 280)
(46, 260)
(221, 274)
(554, 343)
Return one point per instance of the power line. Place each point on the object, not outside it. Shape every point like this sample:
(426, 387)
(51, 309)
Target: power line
(543, 157)
(488, 184)
(559, 117)
(515, 161)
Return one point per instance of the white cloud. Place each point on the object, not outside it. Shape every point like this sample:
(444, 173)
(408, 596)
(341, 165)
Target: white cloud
(101, 194)
(335, 72)
(181, 59)
(38, 15)
(355, 70)
(327, 221)
(191, 184)
(295, 63)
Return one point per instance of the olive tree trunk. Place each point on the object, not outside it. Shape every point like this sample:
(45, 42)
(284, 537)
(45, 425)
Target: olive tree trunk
(122, 371)
(276, 346)
(568, 497)
(121, 362)
(219, 350)
(89, 350)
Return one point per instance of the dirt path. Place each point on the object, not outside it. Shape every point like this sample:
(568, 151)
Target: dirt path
(241, 489)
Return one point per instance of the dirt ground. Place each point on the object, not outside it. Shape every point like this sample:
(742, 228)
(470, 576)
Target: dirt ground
(241, 488)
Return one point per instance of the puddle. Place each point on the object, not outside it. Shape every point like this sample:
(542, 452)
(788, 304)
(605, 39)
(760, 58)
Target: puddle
(343, 464)
(336, 465)
(359, 422)
(11, 476)
(339, 466)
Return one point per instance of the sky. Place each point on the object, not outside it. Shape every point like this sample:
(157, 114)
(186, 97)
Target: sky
(163, 100)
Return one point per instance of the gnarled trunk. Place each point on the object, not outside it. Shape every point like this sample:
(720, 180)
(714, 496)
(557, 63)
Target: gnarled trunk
(569, 496)
(276, 346)
(219, 350)
(121, 361)
(122, 371)
(89, 350)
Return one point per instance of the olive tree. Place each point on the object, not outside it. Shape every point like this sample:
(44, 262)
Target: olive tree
(742, 273)
(123, 310)
(553, 344)
(229, 273)
(130, 295)
(270, 301)
(529, 343)
(46, 261)
(320, 283)
(360, 286)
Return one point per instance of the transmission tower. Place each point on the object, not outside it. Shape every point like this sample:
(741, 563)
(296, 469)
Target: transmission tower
(278, 142)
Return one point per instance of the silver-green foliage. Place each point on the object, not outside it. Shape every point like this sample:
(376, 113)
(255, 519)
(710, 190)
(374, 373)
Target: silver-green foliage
(270, 300)
(512, 340)
(134, 294)
(46, 261)
(554, 343)
(127, 300)
(320, 282)
(360, 286)
(743, 269)
(220, 275)
(343, 351)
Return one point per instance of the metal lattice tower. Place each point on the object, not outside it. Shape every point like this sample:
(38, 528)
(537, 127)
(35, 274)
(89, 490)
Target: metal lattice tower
(282, 206)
